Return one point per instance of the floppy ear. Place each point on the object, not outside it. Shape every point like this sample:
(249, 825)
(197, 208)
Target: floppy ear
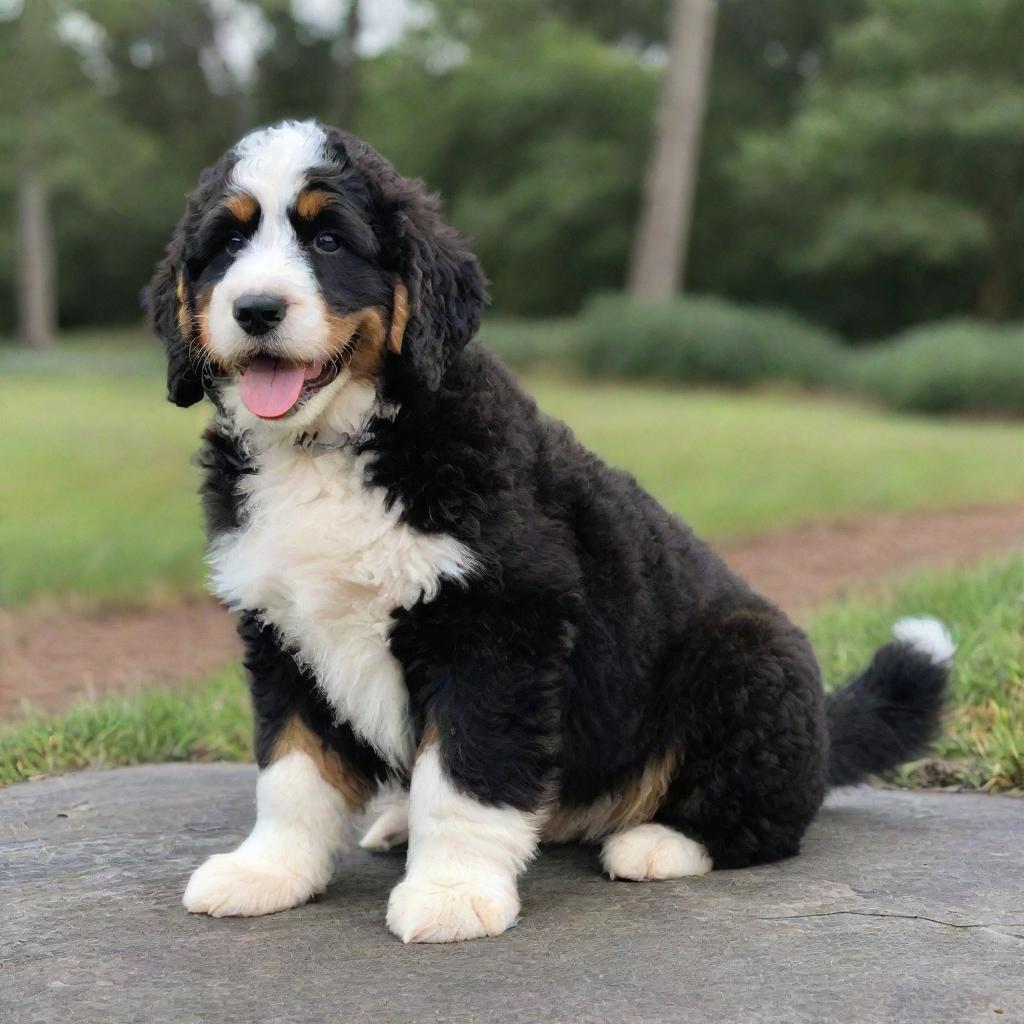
(169, 302)
(440, 291)
(446, 288)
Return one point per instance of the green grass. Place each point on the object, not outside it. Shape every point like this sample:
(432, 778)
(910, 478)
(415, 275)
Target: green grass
(733, 464)
(198, 722)
(982, 745)
(983, 741)
(97, 493)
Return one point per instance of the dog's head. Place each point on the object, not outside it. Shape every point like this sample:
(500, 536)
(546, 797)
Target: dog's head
(305, 262)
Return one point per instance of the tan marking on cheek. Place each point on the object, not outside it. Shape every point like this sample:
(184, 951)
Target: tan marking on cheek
(202, 318)
(184, 322)
(311, 202)
(355, 788)
(399, 318)
(242, 207)
(368, 360)
(366, 326)
(184, 313)
(634, 804)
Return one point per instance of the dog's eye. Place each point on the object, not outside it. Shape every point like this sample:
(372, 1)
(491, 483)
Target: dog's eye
(327, 241)
(235, 243)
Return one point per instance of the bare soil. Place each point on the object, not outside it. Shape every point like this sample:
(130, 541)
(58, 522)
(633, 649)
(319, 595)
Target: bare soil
(51, 659)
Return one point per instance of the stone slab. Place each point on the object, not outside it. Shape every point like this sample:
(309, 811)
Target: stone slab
(903, 907)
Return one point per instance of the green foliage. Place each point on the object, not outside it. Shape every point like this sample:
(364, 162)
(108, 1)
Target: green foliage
(528, 344)
(954, 367)
(207, 722)
(705, 340)
(539, 160)
(959, 366)
(906, 150)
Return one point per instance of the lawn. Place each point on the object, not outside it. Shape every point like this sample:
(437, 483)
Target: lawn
(98, 494)
(982, 745)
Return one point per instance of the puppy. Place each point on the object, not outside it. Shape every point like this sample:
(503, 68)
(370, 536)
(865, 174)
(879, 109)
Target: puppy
(439, 587)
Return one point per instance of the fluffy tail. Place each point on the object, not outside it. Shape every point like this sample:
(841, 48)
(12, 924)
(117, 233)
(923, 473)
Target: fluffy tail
(890, 712)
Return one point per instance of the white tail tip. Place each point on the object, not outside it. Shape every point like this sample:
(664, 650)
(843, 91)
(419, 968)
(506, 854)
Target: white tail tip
(927, 635)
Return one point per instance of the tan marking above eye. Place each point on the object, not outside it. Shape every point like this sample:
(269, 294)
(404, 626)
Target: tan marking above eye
(368, 328)
(311, 202)
(242, 207)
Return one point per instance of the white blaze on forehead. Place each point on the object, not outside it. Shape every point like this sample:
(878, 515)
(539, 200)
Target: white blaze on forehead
(273, 163)
(272, 166)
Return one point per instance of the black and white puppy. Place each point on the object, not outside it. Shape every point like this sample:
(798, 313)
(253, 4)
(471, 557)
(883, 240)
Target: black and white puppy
(438, 586)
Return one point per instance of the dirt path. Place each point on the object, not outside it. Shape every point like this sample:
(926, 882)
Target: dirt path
(51, 660)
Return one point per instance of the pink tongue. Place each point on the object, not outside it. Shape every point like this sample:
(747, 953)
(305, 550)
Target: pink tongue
(270, 387)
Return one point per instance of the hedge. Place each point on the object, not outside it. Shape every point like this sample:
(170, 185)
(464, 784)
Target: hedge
(956, 366)
(960, 366)
(705, 340)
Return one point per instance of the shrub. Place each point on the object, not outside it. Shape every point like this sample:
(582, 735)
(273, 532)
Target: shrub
(705, 340)
(529, 344)
(959, 366)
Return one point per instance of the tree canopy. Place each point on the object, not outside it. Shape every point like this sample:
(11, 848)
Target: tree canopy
(862, 159)
(908, 149)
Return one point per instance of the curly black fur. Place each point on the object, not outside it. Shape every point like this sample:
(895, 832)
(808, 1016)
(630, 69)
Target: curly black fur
(599, 633)
(887, 715)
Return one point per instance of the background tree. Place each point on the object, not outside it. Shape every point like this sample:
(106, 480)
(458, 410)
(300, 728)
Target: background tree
(659, 253)
(893, 121)
(534, 132)
(64, 150)
(907, 154)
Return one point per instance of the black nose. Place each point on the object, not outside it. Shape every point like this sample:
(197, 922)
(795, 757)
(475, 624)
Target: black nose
(257, 314)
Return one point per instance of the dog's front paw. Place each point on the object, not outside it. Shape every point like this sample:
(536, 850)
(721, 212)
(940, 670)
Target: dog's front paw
(429, 911)
(230, 885)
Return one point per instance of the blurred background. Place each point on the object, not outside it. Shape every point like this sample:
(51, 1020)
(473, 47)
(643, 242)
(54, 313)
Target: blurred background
(767, 256)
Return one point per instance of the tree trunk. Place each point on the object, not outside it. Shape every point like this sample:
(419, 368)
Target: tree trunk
(996, 290)
(658, 263)
(37, 299)
(346, 60)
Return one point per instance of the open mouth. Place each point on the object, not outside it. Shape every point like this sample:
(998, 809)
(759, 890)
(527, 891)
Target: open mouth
(271, 387)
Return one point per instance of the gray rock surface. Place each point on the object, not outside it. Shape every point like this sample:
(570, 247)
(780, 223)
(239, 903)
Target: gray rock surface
(903, 907)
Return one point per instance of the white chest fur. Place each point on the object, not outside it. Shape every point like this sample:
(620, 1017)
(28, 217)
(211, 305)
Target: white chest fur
(326, 563)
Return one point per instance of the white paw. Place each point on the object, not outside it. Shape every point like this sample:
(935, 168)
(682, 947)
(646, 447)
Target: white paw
(228, 885)
(653, 852)
(451, 911)
(390, 829)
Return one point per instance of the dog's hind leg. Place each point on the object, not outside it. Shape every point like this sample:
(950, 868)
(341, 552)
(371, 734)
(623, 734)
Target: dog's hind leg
(748, 712)
(652, 852)
(388, 818)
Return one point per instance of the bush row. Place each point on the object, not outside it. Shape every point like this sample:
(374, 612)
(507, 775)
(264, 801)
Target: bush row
(960, 366)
